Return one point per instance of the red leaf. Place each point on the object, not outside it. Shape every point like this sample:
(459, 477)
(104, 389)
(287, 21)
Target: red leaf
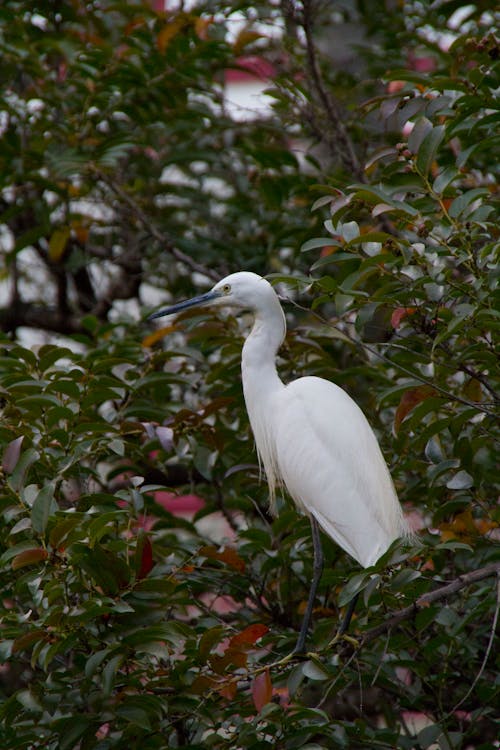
(146, 558)
(28, 639)
(399, 314)
(11, 455)
(28, 557)
(143, 556)
(228, 689)
(262, 690)
(249, 635)
(232, 657)
(409, 400)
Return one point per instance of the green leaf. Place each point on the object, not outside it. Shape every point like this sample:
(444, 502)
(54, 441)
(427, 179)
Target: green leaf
(403, 578)
(208, 640)
(444, 179)
(355, 585)
(462, 480)
(43, 507)
(71, 730)
(95, 660)
(50, 354)
(143, 637)
(463, 202)
(429, 735)
(28, 458)
(428, 148)
(421, 129)
(314, 671)
(318, 242)
(350, 231)
(63, 528)
(109, 673)
(36, 403)
(135, 716)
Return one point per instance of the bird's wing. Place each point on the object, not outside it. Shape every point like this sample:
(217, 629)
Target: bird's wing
(330, 462)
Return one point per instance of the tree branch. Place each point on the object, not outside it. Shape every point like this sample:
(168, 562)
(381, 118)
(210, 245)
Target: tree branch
(340, 144)
(432, 596)
(44, 317)
(148, 225)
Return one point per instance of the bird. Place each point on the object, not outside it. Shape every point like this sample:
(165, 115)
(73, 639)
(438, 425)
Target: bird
(311, 438)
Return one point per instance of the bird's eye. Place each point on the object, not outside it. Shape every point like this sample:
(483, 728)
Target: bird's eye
(226, 288)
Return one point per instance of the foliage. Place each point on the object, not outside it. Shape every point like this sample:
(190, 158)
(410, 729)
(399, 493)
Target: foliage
(125, 623)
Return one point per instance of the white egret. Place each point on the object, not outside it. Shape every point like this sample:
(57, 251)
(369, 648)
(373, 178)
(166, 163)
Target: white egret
(311, 437)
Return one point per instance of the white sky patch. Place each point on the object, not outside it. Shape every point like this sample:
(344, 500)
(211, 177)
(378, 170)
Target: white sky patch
(246, 100)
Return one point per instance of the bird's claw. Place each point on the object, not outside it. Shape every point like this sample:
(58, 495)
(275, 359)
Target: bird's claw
(292, 656)
(344, 637)
(284, 661)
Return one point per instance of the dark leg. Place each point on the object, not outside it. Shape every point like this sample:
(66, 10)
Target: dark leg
(347, 618)
(317, 570)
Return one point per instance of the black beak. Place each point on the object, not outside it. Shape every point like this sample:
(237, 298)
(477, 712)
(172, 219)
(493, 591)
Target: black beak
(202, 299)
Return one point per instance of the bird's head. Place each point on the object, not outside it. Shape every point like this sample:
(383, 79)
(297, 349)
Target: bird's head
(242, 291)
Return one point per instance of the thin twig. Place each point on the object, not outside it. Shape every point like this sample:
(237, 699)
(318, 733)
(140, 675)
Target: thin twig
(432, 596)
(487, 652)
(343, 147)
(166, 243)
(450, 396)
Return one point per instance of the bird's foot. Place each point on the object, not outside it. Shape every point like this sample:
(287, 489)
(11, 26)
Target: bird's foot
(295, 655)
(344, 637)
(284, 661)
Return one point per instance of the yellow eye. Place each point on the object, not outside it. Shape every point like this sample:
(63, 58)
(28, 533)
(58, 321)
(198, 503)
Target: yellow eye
(226, 288)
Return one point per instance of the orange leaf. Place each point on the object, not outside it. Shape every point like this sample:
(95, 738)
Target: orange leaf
(169, 31)
(249, 635)
(28, 557)
(232, 657)
(463, 527)
(218, 403)
(202, 684)
(81, 231)
(262, 690)
(244, 38)
(58, 242)
(228, 689)
(328, 250)
(227, 555)
(201, 26)
(484, 527)
(400, 313)
(473, 390)
(409, 400)
(157, 335)
(134, 24)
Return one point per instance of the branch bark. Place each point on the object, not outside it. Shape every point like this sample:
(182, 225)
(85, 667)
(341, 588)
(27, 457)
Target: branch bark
(44, 317)
(425, 600)
(165, 242)
(338, 140)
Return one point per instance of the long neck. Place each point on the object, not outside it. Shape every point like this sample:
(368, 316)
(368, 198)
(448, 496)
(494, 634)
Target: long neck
(262, 385)
(258, 358)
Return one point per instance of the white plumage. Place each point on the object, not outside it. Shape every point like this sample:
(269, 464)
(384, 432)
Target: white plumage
(310, 435)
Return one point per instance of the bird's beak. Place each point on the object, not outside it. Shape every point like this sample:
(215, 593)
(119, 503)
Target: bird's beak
(202, 299)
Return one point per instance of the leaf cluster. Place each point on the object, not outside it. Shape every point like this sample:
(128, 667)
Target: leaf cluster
(146, 593)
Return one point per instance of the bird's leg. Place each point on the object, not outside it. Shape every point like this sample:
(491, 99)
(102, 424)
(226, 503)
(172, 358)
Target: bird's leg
(317, 571)
(344, 625)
